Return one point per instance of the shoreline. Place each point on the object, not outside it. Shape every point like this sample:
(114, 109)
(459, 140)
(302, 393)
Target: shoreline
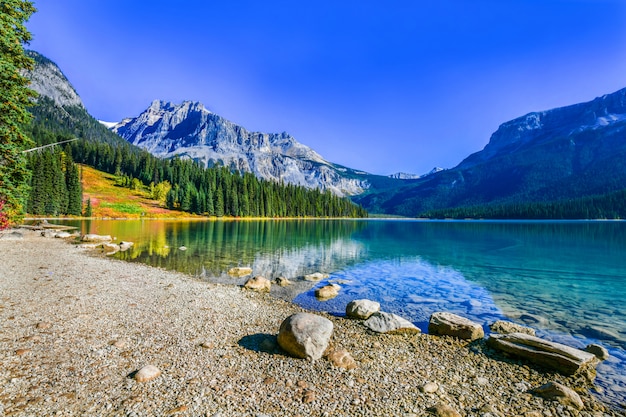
(75, 327)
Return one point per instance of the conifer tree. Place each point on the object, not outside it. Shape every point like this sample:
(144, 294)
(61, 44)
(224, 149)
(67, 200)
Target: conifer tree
(15, 96)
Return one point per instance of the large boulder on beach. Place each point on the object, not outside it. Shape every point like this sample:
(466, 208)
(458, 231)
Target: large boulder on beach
(448, 324)
(258, 284)
(389, 323)
(305, 335)
(362, 309)
(327, 292)
(506, 327)
(560, 393)
(564, 359)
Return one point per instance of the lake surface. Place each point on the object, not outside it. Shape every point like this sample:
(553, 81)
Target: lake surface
(565, 279)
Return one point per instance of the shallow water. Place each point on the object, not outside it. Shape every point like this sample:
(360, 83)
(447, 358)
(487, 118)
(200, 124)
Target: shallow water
(565, 279)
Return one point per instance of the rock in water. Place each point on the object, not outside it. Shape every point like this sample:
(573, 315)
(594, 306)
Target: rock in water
(282, 282)
(362, 309)
(390, 323)
(448, 324)
(327, 292)
(147, 373)
(258, 284)
(506, 327)
(95, 238)
(316, 276)
(564, 359)
(240, 271)
(600, 351)
(558, 392)
(305, 335)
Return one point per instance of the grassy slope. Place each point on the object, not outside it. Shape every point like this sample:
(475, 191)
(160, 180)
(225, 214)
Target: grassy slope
(111, 200)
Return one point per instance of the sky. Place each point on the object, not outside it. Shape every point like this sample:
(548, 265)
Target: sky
(385, 87)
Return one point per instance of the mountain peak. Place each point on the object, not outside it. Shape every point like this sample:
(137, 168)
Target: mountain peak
(48, 80)
(189, 130)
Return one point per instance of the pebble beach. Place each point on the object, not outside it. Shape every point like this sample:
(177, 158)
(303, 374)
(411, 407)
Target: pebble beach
(79, 331)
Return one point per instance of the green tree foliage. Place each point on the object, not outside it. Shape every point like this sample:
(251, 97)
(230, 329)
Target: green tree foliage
(15, 96)
(55, 184)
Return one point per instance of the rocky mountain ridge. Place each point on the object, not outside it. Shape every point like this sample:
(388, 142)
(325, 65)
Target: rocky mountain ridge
(189, 130)
(555, 155)
(48, 80)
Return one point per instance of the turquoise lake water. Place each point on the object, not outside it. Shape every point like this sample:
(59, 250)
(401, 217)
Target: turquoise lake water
(565, 279)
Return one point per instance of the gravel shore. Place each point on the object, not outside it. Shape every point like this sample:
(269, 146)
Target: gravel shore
(76, 328)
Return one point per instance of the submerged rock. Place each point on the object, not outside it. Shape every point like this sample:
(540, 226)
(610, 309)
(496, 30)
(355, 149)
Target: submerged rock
(389, 323)
(562, 358)
(316, 276)
(448, 324)
(362, 309)
(305, 335)
(600, 351)
(240, 271)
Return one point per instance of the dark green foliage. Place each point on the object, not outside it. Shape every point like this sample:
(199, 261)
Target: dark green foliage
(15, 96)
(88, 211)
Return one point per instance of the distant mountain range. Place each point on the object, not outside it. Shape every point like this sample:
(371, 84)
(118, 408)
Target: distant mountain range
(555, 155)
(560, 154)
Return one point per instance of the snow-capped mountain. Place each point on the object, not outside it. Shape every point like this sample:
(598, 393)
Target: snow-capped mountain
(189, 130)
(48, 80)
(406, 176)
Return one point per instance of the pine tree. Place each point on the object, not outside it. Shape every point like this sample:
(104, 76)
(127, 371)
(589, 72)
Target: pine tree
(88, 210)
(15, 96)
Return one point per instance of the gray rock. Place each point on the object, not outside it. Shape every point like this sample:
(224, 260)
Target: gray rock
(448, 324)
(562, 358)
(62, 235)
(558, 392)
(381, 322)
(506, 327)
(600, 351)
(258, 284)
(443, 410)
(362, 309)
(305, 335)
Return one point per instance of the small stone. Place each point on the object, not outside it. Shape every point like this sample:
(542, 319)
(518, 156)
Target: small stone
(316, 276)
(207, 345)
(240, 271)
(443, 410)
(21, 352)
(327, 292)
(429, 387)
(182, 248)
(302, 384)
(558, 392)
(506, 327)
(600, 351)
(147, 373)
(362, 309)
(309, 397)
(43, 325)
(177, 410)
(282, 282)
(258, 284)
(120, 344)
(342, 359)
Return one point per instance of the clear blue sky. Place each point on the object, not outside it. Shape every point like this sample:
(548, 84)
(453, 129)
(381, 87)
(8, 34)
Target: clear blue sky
(379, 86)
